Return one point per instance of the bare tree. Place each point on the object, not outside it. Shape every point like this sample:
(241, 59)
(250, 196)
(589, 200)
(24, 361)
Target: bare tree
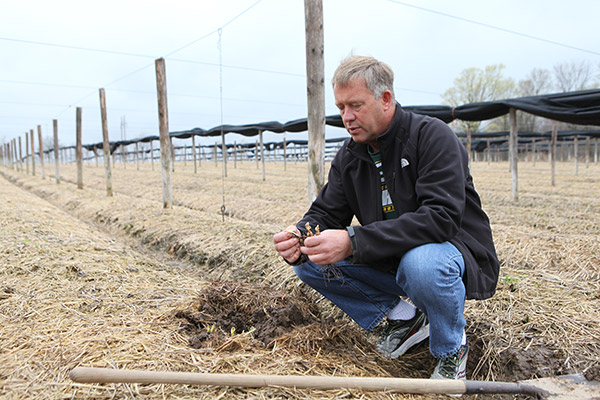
(538, 81)
(571, 76)
(476, 85)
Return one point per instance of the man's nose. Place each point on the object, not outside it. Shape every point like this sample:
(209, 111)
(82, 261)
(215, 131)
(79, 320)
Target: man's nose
(348, 115)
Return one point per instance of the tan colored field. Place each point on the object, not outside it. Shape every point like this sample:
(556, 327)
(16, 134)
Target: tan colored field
(120, 282)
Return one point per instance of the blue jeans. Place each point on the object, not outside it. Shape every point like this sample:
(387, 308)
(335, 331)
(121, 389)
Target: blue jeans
(430, 275)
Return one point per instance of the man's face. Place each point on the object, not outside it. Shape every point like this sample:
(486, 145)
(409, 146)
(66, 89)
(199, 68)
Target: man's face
(364, 117)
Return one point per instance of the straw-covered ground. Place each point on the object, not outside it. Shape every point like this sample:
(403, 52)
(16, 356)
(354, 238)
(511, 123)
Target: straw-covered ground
(120, 282)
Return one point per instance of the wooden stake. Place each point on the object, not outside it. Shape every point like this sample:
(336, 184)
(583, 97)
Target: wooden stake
(78, 152)
(106, 144)
(514, 152)
(165, 140)
(20, 154)
(262, 154)
(553, 154)
(32, 153)
(56, 157)
(315, 79)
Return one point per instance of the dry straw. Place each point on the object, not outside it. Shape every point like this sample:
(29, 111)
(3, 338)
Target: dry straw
(96, 281)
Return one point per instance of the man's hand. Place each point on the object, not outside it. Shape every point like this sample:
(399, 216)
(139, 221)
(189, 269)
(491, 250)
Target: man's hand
(287, 244)
(332, 245)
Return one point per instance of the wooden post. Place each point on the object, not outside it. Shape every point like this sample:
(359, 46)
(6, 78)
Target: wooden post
(553, 153)
(41, 149)
(165, 140)
(9, 152)
(514, 152)
(106, 144)
(78, 152)
(315, 78)
(587, 151)
(262, 154)
(32, 153)
(576, 154)
(284, 153)
(20, 154)
(56, 158)
(194, 151)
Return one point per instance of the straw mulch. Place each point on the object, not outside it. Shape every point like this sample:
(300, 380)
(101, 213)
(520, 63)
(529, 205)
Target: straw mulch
(122, 283)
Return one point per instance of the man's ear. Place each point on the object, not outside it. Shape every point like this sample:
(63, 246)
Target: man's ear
(388, 99)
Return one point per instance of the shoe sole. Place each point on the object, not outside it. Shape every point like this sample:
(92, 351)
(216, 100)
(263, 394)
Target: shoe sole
(415, 339)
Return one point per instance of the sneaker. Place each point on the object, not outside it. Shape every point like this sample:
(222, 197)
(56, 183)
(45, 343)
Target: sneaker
(399, 336)
(454, 366)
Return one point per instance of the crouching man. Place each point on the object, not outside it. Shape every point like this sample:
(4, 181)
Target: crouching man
(422, 236)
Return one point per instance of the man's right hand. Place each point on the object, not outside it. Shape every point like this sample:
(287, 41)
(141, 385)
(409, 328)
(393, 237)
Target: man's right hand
(287, 245)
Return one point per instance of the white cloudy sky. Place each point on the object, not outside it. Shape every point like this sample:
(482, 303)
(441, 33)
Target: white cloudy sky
(55, 55)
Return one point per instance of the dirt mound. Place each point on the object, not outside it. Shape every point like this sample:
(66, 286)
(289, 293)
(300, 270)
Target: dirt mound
(226, 309)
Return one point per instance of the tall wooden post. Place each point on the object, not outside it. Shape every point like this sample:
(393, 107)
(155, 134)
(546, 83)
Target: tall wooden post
(32, 153)
(10, 150)
(56, 158)
(284, 153)
(78, 152)
(553, 154)
(20, 154)
(315, 80)
(588, 145)
(514, 152)
(27, 152)
(194, 151)
(163, 125)
(262, 154)
(105, 144)
(576, 154)
(41, 149)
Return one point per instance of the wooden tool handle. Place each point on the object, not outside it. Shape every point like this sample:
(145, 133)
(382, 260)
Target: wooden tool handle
(404, 385)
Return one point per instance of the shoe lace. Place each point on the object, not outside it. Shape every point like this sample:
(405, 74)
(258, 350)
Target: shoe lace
(448, 366)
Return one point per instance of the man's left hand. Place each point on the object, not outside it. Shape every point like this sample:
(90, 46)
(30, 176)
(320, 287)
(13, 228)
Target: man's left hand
(330, 246)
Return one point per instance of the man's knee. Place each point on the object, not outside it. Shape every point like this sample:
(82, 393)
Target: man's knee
(422, 266)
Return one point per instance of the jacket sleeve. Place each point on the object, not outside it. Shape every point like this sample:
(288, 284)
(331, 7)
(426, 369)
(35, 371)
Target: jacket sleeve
(330, 210)
(429, 195)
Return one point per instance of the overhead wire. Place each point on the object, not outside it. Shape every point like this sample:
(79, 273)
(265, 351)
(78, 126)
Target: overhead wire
(498, 28)
(165, 56)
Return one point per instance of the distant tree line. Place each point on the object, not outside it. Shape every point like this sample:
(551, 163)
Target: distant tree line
(488, 84)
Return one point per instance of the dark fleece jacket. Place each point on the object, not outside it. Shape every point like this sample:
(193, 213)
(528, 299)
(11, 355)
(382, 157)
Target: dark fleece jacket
(426, 169)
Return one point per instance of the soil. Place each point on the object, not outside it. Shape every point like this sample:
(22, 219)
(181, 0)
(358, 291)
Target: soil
(225, 309)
